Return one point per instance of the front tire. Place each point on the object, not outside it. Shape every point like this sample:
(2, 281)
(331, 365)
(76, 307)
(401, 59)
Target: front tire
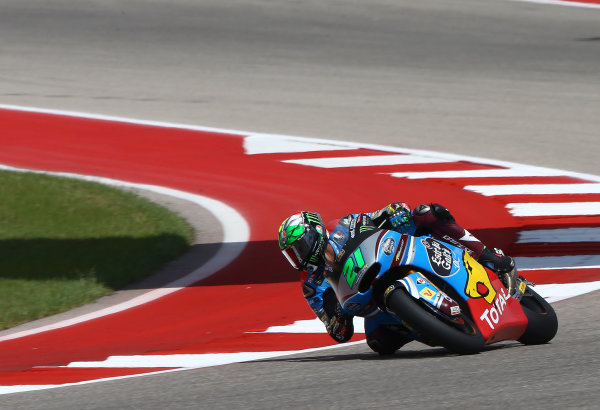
(467, 340)
(542, 321)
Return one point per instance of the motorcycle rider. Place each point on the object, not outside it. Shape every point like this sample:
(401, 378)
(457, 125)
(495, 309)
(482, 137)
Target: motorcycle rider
(308, 246)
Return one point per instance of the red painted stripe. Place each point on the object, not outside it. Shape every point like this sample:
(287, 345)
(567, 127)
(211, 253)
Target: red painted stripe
(62, 375)
(259, 289)
(562, 275)
(192, 316)
(582, 1)
(260, 342)
(561, 221)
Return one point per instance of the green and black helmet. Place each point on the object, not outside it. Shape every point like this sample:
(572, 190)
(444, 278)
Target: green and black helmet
(303, 239)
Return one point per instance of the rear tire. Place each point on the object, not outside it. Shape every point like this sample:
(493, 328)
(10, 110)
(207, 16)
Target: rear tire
(462, 341)
(543, 323)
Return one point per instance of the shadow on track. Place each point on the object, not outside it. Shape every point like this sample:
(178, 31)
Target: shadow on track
(426, 353)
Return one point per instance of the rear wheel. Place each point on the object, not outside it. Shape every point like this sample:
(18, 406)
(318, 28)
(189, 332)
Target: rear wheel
(462, 338)
(542, 321)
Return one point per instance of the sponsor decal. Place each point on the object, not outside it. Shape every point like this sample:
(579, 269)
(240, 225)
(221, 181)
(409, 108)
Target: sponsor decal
(353, 227)
(456, 243)
(364, 225)
(401, 248)
(454, 310)
(427, 293)
(353, 307)
(421, 281)
(313, 217)
(366, 228)
(388, 246)
(440, 256)
(522, 286)
(338, 237)
(493, 314)
(478, 282)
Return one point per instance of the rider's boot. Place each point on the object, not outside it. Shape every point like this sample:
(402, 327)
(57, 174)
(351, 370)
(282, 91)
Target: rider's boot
(503, 265)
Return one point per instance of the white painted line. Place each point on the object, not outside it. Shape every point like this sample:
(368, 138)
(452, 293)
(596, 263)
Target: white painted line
(311, 326)
(367, 161)
(195, 361)
(23, 388)
(524, 171)
(176, 360)
(563, 268)
(299, 326)
(268, 144)
(560, 235)
(554, 208)
(562, 3)
(534, 189)
(236, 234)
(557, 262)
(560, 291)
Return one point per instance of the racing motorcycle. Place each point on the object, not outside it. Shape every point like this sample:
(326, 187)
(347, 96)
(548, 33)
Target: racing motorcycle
(438, 293)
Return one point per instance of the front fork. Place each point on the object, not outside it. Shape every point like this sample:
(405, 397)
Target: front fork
(521, 285)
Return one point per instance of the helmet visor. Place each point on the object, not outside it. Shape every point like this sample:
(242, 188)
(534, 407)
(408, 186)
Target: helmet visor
(299, 252)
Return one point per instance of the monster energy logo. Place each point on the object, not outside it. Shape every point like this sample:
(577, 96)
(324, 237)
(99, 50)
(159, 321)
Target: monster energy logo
(365, 228)
(312, 217)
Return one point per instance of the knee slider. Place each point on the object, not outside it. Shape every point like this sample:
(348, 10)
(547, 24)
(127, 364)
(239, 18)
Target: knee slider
(381, 342)
(386, 340)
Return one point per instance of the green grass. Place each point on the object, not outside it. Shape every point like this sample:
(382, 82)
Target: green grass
(64, 243)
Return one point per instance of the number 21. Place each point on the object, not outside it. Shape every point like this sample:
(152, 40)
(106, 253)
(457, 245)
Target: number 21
(356, 260)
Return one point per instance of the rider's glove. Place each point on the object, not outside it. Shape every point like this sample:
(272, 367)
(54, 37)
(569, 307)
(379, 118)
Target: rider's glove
(339, 325)
(399, 216)
(341, 330)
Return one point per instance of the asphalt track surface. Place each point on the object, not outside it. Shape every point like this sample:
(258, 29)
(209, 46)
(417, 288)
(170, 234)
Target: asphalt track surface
(504, 80)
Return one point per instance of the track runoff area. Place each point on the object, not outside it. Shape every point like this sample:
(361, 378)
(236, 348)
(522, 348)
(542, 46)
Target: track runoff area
(246, 302)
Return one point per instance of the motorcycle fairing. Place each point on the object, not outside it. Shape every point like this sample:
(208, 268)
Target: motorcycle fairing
(420, 287)
(497, 315)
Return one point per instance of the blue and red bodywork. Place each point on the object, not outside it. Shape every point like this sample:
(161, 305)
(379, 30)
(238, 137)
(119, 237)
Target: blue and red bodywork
(424, 262)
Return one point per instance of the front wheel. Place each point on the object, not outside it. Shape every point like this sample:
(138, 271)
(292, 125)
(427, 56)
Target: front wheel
(464, 339)
(542, 321)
